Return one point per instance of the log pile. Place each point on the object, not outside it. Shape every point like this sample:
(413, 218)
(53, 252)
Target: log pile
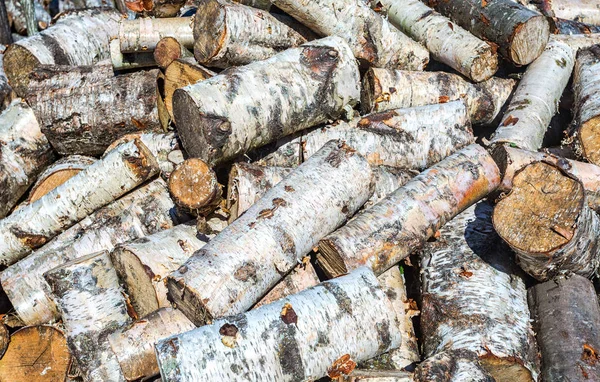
(291, 190)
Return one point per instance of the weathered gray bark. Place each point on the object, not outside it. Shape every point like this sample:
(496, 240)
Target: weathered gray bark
(250, 106)
(5, 35)
(16, 14)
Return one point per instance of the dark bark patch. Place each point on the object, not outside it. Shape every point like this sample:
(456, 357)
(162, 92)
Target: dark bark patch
(425, 15)
(341, 297)
(29, 239)
(288, 315)
(59, 55)
(289, 188)
(320, 60)
(342, 366)
(383, 336)
(216, 130)
(290, 358)
(228, 330)
(245, 272)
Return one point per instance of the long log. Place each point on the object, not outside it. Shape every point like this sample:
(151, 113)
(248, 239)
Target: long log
(567, 322)
(290, 339)
(389, 231)
(236, 268)
(56, 46)
(250, 106)
(578, 42)
(232, 34)
(536, 99)
(446, 41)
(143, 34)
(519, 33)
(24, 153)
(143, 212)
(585, 11)
(475, 298)
(452, 366)
(392, 89)
(92, 306)
(546, 220)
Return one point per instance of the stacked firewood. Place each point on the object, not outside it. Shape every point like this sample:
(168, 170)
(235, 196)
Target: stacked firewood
(292, 190)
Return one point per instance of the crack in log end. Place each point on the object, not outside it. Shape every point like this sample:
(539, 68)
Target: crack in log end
(142, 164)
(245, 272)
(288, 315)
(30, 240)
(342, 366)
(290, 358)
(383, 336)
(590, 355)
(341, 297)
(320, 60)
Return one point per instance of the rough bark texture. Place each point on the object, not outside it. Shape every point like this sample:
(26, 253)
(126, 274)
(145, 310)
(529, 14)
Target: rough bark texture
(236, 268)
(536, 99)
(36, 353)
(82, 110)
(106, 180)
(585, 11)
(452, 366)
(391, 89)
(300, 278)
(143, 34)
(291, 339)
(5, 89)
(194, 187)
(5, 35)
(134, 345)
(167, 50)
(577, 42)
(474, 298)
(158, 8)
(231, 34)
(285, 152)
(250, 106)
(56, 45)
(143, 264)
(24, 153)
(16, 16)
(447, 42)
(570, 27)
(389, 231)
(519, 33)
(143, 212)
(373, 39)
(546, 220)
(92, 306)
(567, 322)
(70, 5)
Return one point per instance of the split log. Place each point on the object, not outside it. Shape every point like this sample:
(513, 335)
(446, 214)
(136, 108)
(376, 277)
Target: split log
(284, 152)
(474, 298)
(290, 339)
(194, 187)
(300, 278)
(127, 61)
(92, 306)
(519, 33)
(82, 110)
(446, 41)
(452, 366)
(134, 345)
(260, 4)
(143, 34)
(536, 99)
(37, 353)
(55, 46)
(229, 114)
(106, 180)
(585, 11)
(232, 34)
(567, 321)
(24, 153)
(392, 89)
(570, 27)
(143, 212)
(143, 264)
(236, 268)
(548, 223)
(389, 231)
(167, 50)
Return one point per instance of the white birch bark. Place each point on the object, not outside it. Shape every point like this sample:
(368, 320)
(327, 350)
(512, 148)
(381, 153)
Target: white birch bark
(291, 339)
(126, 61)
(236, 268)
(142, 35)
(134, 345)
(92, 306)
(446, 41)
(392, 89)
(69, 5)
(300, 278)
(386, 233)
(24, 153)
(585, 11)
(578, 42)
(250, 106)
(372, 38)
(535, 101)
(143, 212)
(285, 152)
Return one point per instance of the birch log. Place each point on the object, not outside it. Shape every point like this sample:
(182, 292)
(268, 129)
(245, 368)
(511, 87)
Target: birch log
(24, 153)
(519, 33)
(578, 42)
(585, 11)
(106, 180)
(284, 152)
(373, 40)
(56, 46)
(452, 366)
(250, 106)
(570, 27)
(127, 61)
(143, 212)
(388, 89)
(167, 50)
(194, 187)
(567, 321)
(446, 41)
(92, 306)
(290, 339)
(390, 230)
(548, 223)
(143, 34)
(134, 345)
(474, 298)
(16, 16)
(232, 34)
(302, 277)
(536, 99)
(236, 268)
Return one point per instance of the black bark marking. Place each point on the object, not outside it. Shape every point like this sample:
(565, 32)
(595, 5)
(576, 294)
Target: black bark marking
(59, 55)
(228, 330)
(341, 297)
(383, 336)
(320, 60)
(290, 358)
(216, 130)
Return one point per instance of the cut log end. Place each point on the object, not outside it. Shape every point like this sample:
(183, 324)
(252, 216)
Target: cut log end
(330, 261)
(186, 299)
(540, 213)
(505, 369)
(18, 63)
(484, 66)
(194, 186)
(529, 40)
(211, 35)
(589, 137)
(167, 50)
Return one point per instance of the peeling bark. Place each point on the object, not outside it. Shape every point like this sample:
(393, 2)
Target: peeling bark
(391, 89)
(290, 339)
(143, 34)
(386, 233)
(194, 187)
(236, 268)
